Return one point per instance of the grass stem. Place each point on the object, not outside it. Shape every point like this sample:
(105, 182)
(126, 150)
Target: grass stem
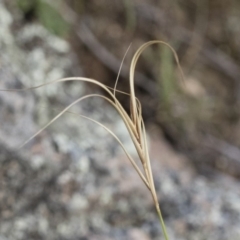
(162, 222)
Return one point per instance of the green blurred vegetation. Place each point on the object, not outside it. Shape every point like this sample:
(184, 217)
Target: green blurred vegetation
(46, 14)
(166, 79)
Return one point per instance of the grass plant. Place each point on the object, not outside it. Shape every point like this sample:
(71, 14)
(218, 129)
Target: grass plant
(133, 122)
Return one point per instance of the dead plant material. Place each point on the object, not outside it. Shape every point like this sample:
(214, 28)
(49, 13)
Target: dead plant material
(133, 121)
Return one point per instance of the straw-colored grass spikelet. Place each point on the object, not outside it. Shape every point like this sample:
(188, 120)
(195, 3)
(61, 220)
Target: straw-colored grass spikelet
(134, 122)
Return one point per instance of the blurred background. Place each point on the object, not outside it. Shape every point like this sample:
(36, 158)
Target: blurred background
(73, 181)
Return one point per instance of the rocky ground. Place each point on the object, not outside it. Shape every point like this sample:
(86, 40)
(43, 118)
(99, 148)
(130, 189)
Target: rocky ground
(73, 181)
